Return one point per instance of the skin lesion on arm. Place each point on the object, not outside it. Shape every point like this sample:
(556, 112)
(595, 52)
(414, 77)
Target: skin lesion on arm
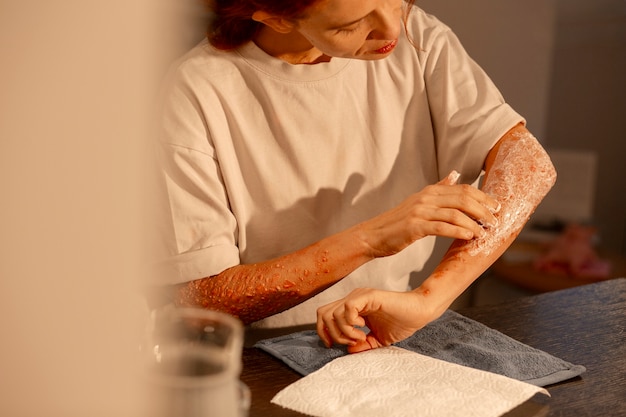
(249, 292)
(519, 176)
(255, 291)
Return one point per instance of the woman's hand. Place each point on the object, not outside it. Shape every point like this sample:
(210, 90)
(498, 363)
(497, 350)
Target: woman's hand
(442, 209)
(390, 316)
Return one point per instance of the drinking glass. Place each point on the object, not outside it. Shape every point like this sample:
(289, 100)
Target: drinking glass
(192, 362)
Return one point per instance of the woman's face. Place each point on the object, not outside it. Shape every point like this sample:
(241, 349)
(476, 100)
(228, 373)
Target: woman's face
(363, 29)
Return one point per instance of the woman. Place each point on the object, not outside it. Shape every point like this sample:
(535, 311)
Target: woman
(313, 150)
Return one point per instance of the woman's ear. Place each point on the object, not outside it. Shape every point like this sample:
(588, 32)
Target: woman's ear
(279, 24)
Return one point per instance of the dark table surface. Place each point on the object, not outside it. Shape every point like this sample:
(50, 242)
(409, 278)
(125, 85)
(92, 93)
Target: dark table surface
(585, 325)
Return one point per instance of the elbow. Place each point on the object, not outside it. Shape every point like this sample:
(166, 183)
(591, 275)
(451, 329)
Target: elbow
(546, 173)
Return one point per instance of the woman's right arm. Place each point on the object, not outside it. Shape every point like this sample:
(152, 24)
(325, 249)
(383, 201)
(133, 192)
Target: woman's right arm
(255, 291)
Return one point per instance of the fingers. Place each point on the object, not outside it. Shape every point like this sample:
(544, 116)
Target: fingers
(331, 332)
(472, 202)
(369, 343)
(337, 323)
(447, 221)
(451, 179)
(491, 204)
(390, 317)
(464, 228)
(334, 326)
(463, 206)
(322, 332)
(447, 209)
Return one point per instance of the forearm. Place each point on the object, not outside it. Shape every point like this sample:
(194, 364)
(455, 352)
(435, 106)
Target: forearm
(518, 175)
(255, 291)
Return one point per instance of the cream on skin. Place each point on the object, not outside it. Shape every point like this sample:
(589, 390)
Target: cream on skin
(518, 187)
(519, 174)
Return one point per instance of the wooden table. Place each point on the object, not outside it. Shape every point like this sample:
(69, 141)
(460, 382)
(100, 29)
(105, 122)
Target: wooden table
(585, 325)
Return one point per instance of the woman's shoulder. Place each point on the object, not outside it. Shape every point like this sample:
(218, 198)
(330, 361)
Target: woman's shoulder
(424, 19)
(423, 28)
(205, 62)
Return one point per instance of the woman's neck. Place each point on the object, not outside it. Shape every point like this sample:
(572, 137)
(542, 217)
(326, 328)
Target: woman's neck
(290, 47)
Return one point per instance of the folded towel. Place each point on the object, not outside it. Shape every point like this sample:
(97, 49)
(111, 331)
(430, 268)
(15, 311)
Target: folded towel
(452, 338)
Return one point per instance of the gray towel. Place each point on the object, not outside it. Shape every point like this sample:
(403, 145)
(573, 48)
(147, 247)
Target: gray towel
(453, 338)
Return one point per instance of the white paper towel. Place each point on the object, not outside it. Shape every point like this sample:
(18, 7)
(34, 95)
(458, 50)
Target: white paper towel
(394, 382)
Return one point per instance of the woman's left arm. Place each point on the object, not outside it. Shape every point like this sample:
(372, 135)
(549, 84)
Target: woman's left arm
(518, 174)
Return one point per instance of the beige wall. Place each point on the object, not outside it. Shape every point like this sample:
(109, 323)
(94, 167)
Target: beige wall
(75, 81)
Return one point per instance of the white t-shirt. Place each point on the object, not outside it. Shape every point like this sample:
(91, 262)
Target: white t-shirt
(263, 157)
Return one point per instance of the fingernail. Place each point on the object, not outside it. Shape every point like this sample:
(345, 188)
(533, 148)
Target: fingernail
(453, 177)
(491, 224)
(497, 209)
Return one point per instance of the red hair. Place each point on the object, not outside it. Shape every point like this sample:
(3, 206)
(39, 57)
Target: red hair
(233, 26)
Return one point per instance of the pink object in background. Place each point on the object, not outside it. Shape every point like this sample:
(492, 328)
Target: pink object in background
(572, 254)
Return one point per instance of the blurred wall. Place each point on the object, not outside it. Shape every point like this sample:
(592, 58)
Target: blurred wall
(587, 105)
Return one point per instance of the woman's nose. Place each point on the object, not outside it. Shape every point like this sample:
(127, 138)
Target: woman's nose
(387, 22)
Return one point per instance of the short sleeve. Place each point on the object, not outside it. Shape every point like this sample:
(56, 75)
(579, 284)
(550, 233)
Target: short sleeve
(468, 112)
(197, 230)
